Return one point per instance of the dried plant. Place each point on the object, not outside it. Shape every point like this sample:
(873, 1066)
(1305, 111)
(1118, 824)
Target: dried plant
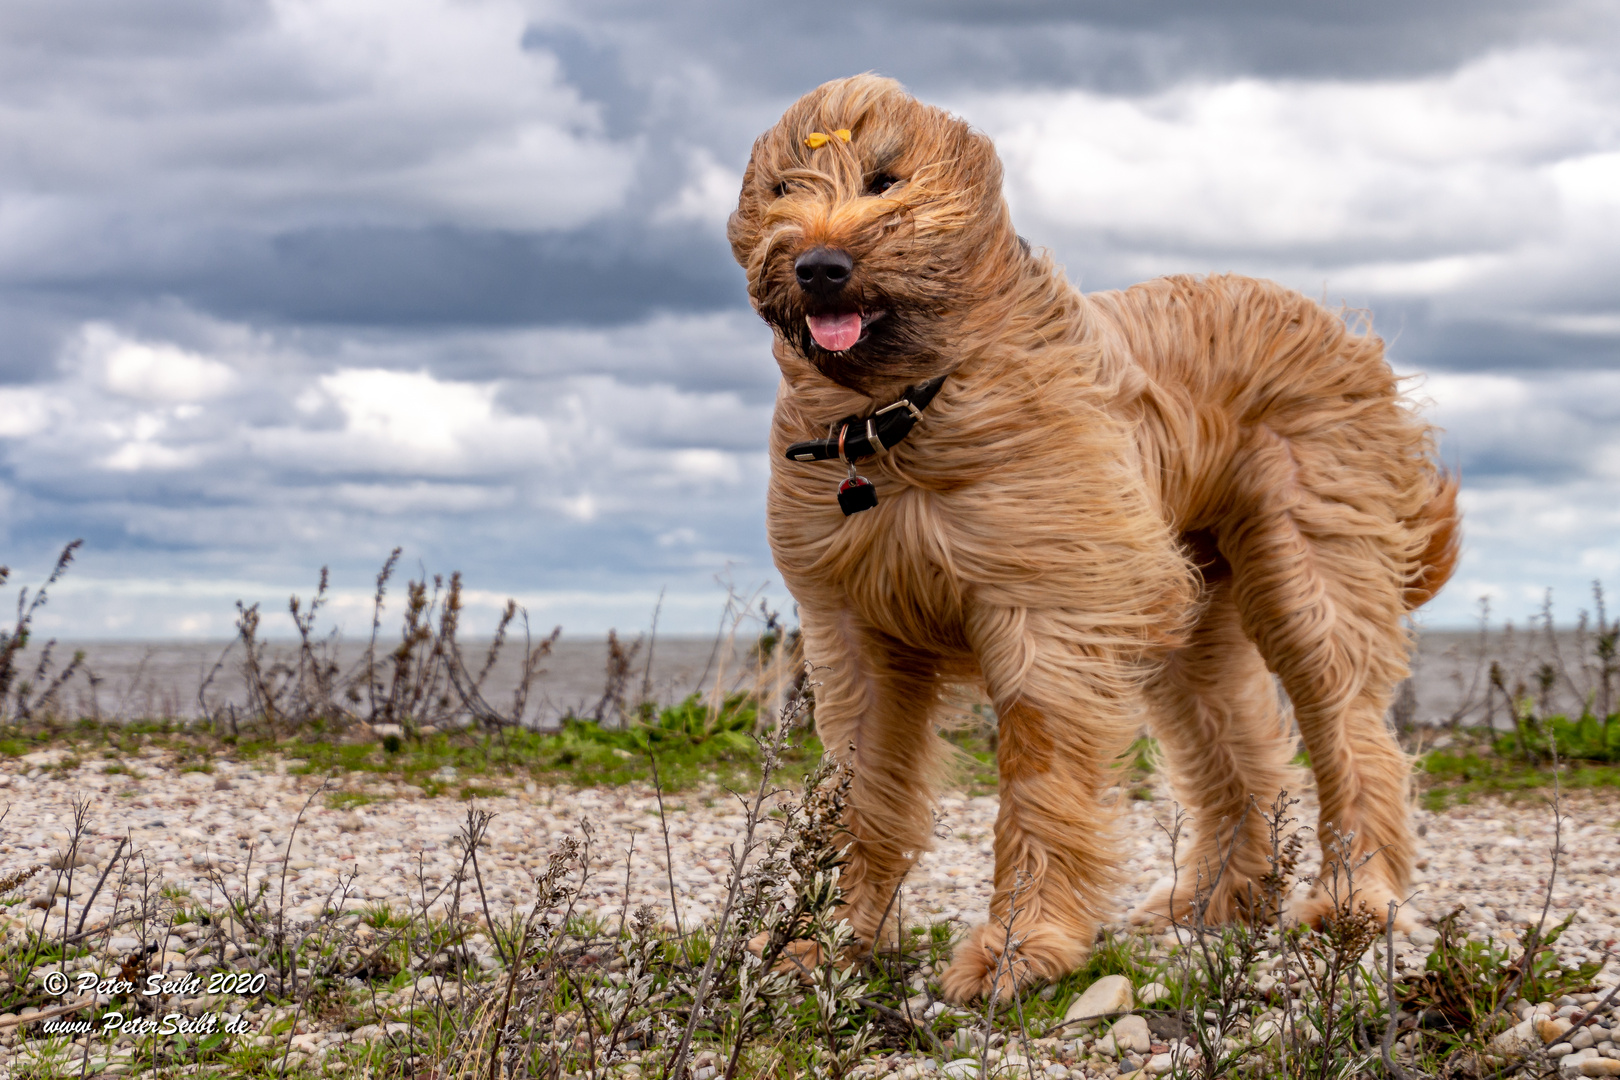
(26, 695)
(423, 684)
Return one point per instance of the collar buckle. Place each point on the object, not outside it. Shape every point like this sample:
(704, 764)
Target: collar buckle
(854, 437)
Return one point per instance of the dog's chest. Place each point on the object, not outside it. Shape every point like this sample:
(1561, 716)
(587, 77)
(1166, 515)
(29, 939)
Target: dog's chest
(895, 565)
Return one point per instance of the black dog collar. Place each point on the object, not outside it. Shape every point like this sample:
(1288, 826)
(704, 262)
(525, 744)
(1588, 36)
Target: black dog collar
(857, 437)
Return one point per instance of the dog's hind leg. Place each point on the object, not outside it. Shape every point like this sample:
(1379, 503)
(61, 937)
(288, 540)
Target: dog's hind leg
(1320, 587)
(1217, 719)
(876, 704)
(1064, 701)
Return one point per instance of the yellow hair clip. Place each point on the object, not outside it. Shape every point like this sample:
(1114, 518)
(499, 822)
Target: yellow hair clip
(816, 140)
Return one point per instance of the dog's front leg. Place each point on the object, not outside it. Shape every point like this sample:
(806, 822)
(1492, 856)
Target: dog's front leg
(875, 708)
(1062, 704)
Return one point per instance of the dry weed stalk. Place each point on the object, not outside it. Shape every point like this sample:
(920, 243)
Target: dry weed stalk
(423, 684)
(25, 697)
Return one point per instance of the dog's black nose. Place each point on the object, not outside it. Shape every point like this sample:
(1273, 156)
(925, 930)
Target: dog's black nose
(823, 271)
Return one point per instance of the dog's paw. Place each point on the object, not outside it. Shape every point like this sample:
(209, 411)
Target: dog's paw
(1161, 907)
(800, 958)
(1172, 900)
(980, 967)
(978, 970)
(1320, 904)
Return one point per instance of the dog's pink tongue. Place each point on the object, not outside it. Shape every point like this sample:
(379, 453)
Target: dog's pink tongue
(835, 333)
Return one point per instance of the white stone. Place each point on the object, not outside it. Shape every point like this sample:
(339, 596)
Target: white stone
(1131, 1033)
(1109, 994)
(1152, 994)
(1518, 1039)
(1422, 935)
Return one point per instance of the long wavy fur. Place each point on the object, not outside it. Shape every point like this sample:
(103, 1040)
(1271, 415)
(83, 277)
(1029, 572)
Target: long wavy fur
(1164, 495)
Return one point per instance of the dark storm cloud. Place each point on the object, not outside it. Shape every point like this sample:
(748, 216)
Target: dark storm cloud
(1123, 48)
(1480, 345)
(596, 68)
(1270, 38)
(34, 323)
(444, 274)
(116, 30)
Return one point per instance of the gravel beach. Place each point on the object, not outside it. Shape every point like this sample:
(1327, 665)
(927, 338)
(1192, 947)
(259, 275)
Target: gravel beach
(1492, 858)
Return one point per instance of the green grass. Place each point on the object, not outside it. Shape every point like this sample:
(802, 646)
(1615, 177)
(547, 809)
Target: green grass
(693, 746)
(978, 774)
(688, 751)
(1586, 739)
(691, 743)
(1483, 765)
(348, 800)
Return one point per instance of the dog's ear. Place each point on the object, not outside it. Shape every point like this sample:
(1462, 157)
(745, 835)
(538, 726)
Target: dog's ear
(737, 234)
(738, 227)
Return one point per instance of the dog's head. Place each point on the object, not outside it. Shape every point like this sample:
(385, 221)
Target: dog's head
(872, 227)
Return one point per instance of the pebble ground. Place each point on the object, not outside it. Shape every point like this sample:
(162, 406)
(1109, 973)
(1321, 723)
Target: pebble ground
(1490, 857)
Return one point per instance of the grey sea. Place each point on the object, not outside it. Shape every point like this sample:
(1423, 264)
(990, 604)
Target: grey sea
(171, 678)
(128, 679)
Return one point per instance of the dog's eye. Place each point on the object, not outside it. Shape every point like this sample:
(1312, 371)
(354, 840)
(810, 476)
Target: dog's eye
(780, 189)
(881, 182)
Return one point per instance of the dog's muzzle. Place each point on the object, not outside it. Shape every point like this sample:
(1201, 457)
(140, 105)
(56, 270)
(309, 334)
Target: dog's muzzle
(823, 272)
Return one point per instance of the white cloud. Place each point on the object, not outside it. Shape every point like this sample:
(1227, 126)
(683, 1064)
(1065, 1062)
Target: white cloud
(1420, 187)
(321, 112)
(1606, 325)
(410, 411)
(706, 465)
(1417, 277)
(1592, 179)
(537, 176)
(1520, 539)
(1464, 393)
(581, 507)
(142, 454)
(424, 497)
(161, 372)
(320, 445)
(1563, 424)
(25, 411)
(710, 194)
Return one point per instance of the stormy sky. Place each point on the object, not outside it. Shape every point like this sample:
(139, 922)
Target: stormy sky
(286, 283)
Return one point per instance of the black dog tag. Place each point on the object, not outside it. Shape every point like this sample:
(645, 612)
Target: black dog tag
(856, 494)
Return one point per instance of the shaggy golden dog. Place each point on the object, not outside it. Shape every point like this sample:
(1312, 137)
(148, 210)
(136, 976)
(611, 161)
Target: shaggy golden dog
(1162, 495)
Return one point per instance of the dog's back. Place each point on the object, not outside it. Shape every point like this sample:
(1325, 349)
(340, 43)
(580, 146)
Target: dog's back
(1237, 365)
(1307, 491)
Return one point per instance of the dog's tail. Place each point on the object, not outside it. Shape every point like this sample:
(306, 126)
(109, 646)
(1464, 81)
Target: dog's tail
(1440, 521)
